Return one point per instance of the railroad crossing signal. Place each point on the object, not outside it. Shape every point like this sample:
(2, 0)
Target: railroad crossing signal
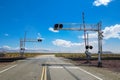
(89, 47)
(58, 26)
(39, 40)
(90, 27)
(22, 43)
(101, 34)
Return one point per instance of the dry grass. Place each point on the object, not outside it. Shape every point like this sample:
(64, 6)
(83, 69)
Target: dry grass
(83, 56)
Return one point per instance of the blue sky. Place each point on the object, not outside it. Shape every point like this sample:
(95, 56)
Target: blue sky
(37, 18)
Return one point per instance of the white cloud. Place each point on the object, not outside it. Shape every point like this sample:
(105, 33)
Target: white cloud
(6, 34)
(112, 32)
(108, 32)
(39, 34)
(101, 2)
(51, 29)
(6, 47)
(90, 35)
(93, 43)
(65, 43)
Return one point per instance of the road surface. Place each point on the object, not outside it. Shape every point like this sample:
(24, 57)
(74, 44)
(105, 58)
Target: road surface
(47, 67)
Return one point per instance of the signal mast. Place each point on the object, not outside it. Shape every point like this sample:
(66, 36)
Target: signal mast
(87, 46)
(24, 40)
(85, 27)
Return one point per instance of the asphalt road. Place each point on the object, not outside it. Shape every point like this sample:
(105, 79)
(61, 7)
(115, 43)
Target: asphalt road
(47, 67)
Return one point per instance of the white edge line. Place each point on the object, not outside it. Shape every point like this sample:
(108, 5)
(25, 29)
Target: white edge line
(55, 67)
(90, 73)
(8, 68)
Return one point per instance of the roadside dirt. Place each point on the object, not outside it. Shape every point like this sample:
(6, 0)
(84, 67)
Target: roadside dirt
(8, 61)
(113, 65)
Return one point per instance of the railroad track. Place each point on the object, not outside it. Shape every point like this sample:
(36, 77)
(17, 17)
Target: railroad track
(66, 71)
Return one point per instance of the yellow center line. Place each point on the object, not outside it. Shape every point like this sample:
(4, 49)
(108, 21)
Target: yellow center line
(44, 73)
(42, 76)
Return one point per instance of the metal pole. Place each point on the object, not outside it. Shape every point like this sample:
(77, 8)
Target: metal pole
(21, 46)
(88, 41)
(99, 45)
(84, 29)
(25, 38)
